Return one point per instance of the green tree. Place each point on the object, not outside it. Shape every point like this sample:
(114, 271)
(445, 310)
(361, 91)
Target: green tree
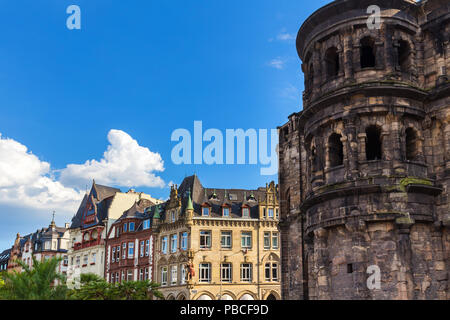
(42, 282)
(95, 288)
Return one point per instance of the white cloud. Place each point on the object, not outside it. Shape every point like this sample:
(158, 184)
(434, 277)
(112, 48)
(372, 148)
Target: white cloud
(284, 36)
(29, 183)
(277, 63)
(124, 163)
(26, 181)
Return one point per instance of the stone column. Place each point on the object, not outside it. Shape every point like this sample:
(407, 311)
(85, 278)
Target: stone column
(362, 147)
(348, 56)
(321, 258)
(405, 280)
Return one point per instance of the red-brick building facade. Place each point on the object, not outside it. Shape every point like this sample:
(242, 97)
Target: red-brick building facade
(130, 245)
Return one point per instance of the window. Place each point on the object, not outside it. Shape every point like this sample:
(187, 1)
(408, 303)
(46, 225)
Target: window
(275, 240)
(146, 224)
(411, 144)
(164, 276)
(147, 247)
(173, 243)
(124, 251)
(226, 212)
(204, 272)
(367, 53)
(266, 240)
(246, 240)
(65, 261)
(349, 268)
(335, 150)
(113, 256)
(117, 232)
(93, 258)
(183, 274)
(130, 250)
(78, 261)
(332, 62)
(47, 245)
(245, 212)
(276, 213)
(130, 275)
(124, 227)
(85, 260)
(373, 143)
(118, 254)
(270, 211)
(246, 272)
(173, 275)
(205, 211)
(141, 274)
(164, 245)
(142, 249)
(264, 213)
(205, 239)
(123, 275)
(225, 272)
(403, 56)
(173, 216)
(184, 240)
(271, 271)
(131, 226)
(225, 239)
(113, 277)
(146, 273)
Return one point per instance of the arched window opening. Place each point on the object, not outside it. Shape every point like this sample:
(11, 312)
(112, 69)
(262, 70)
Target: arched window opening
(411, 144)
(332, 62)
(367, 53)
(373, 143)
(403, 55)
(335, 150)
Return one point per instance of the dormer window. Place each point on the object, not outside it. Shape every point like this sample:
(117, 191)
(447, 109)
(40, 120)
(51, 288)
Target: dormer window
(205, 211)
(131, 226)
(270, 211)
(124, 227)
(146, 224)
(245, 213)
(173, 216)
(225, 212)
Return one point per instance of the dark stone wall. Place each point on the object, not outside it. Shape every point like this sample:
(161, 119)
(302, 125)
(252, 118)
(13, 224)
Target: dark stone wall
(343, 213)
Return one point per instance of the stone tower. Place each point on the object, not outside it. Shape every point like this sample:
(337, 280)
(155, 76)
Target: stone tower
(364, 169)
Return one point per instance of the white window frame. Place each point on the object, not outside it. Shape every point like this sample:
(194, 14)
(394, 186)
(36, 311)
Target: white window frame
(164, 276)
(246, 272)
(142, 248)
(276, 237)
(174, 275)
(173, 243)
(246, 239)
(204, 272)
(228, 236)
(130, 250)
(267, 237)
(226, 269)
(207, 235)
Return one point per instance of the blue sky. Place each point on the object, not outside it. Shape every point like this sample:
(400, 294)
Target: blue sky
(143, 68)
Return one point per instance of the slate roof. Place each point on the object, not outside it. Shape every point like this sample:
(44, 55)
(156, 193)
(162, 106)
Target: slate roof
(101, 197)
(216, 198)
(4, 256)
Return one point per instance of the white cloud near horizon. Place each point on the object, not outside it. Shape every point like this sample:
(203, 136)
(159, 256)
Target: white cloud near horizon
(28, 182)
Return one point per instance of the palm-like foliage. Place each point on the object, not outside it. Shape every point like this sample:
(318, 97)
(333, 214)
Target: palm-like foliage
(37, 283)
(95, 288)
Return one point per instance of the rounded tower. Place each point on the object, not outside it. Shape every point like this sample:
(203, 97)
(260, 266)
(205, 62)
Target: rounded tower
(365, 166)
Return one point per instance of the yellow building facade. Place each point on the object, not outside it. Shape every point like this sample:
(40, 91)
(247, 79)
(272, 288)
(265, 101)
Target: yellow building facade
(218, 244)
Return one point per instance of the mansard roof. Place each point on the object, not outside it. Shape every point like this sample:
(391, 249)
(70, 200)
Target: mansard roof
(216, 198)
